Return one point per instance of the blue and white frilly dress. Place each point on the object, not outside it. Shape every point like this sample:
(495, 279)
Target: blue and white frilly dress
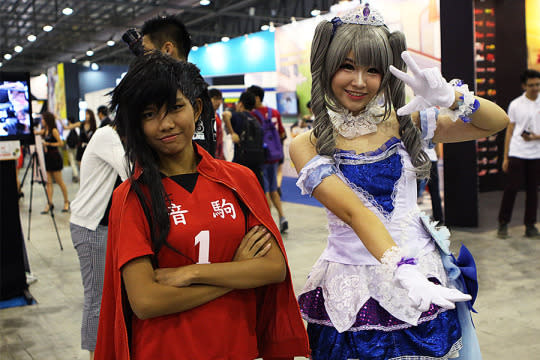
(353, 307)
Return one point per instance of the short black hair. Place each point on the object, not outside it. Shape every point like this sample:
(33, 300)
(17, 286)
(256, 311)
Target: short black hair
(168, 28)
(215, 93)
(103, 110)
(248, 100)
(529, 74)
(257, 91)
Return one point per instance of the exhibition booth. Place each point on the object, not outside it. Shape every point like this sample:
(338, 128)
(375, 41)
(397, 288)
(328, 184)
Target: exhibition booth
(486, 43)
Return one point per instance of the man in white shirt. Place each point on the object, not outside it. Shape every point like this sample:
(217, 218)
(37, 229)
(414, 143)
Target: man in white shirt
(103, 167)
(522, 155)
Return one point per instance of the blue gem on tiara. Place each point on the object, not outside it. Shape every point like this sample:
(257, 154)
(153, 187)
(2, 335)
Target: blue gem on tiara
(363, 15)
(366, 11)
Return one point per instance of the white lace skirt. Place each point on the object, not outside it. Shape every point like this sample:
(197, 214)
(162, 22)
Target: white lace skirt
(347, 288)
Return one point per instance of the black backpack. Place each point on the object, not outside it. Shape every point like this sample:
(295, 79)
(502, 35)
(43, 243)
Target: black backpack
(250, 149)
(72, 139)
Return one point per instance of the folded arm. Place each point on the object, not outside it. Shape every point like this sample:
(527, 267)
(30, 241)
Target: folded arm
(149, 299)
(258, 262)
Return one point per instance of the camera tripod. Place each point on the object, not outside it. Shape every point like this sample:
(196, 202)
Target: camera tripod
(34, 164)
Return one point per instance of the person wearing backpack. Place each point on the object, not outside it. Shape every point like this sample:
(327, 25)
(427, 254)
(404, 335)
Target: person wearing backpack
(246, 134)
(273, 135)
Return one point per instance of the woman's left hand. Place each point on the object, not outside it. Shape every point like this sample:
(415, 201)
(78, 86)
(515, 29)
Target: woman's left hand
(429, 86)
(179, 277)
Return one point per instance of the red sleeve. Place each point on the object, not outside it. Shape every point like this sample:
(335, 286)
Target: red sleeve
(252, 221)
(281, 129)
(133, 238)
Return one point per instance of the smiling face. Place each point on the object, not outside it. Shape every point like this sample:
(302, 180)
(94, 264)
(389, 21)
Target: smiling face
(170, 132)
(355, 85)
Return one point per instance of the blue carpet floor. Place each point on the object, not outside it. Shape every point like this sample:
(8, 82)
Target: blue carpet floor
(291, 193)
(16, 301)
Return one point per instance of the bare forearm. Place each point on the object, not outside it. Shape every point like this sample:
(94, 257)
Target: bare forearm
(344, 203)
(489, 116)
(507, 138)
(149, 299)
(161, 300)
(227, 120)
(246, 274)
(373, 233)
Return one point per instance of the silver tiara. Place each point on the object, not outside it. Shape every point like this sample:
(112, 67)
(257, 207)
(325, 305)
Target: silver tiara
(362, 15)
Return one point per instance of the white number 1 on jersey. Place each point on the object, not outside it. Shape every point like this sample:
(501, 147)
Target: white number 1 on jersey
(203, 239)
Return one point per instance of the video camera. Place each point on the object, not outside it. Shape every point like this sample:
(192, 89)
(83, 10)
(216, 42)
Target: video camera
(134, 40)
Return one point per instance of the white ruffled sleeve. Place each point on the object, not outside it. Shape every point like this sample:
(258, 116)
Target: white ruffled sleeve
(315, 171)
(428, 123)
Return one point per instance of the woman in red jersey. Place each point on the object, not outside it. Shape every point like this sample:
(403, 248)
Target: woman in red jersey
(196, 267)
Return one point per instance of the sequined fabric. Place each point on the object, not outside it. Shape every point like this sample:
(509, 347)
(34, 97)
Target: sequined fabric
(377, 178)
(371, 315)
(436, 339)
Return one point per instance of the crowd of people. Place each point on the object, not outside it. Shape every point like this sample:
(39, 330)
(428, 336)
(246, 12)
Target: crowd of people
(180, 257)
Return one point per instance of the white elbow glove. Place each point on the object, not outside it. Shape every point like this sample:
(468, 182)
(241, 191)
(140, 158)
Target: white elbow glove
(423, 292)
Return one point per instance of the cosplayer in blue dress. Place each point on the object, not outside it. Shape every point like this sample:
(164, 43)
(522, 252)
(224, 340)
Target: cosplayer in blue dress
(352, 305)
(386, 286)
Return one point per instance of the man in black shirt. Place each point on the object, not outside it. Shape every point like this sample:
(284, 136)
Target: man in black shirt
(103, 115)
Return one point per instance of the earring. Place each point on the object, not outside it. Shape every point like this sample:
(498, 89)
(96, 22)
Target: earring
(199, 130)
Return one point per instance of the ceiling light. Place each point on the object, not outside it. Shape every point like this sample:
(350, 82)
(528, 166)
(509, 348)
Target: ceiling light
(47, 28)
(31, 38)
(18, 48)
(90, 52)
(315, 12)
(265, 27)
(67, 11)
(94, 66)
(225, 38)
(1, 64)
(73, 60)
(194, 48)
(204, 2)
(86, 63)
(111, 42)
(7, 56)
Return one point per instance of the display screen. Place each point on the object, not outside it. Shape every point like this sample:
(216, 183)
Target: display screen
(15, 107)
(287, 103)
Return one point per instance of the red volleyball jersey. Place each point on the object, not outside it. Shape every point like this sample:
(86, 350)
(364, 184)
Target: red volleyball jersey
(207, 226)
(280, 331)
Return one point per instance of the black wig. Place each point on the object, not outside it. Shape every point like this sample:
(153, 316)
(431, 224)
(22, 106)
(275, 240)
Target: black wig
(154, 79)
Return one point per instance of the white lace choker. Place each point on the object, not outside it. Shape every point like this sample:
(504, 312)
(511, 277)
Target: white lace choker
(350, 126)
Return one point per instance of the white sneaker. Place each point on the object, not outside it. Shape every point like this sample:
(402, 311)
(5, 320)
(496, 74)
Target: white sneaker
(31, 278)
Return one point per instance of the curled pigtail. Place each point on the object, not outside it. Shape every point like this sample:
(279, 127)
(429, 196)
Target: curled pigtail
(410, 135)
(322, 129)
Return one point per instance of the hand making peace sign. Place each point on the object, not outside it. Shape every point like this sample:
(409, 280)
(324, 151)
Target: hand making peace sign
(429, 86)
